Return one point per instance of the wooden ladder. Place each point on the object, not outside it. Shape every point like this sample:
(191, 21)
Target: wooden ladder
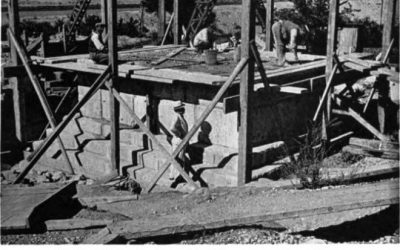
(76, 17)
(204, 8)
(200, 14)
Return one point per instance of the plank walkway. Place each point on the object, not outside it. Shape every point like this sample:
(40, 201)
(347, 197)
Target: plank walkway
(18, 204)
(256, 209)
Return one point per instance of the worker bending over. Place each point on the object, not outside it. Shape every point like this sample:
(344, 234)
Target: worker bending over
(286, 33)
(98, 51)
(179, 130)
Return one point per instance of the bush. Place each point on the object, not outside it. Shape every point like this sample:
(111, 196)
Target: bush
(308, 164)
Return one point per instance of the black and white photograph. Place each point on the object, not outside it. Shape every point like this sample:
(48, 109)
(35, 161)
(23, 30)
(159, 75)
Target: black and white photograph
(199, 123)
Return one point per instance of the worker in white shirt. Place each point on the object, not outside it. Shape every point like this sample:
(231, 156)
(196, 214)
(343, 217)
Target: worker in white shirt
(179, 130)
(98, 51)
(205, 38)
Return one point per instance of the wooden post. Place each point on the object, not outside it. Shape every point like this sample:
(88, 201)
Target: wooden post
(104, 11)
(331, 49)
(268, 25)
(161, 19)
(389, 8)
(17, 83)
(246, 89)
(152, 103)
(176, 22)
(113, 62)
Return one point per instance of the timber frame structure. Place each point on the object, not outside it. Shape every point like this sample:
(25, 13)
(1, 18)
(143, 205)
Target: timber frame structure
(109, 79)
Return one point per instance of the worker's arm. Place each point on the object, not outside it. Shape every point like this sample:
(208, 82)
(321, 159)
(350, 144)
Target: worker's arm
(97, 43)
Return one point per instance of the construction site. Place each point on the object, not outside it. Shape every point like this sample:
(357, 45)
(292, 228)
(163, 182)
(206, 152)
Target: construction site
(170, 143)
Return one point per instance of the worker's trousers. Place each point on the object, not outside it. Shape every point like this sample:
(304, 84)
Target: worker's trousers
(279, 43)
(173, 173)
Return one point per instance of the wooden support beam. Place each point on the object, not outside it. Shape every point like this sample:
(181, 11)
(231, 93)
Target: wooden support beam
(246, 91)
(176, 29)
(389, 9)
(362, 122)
(104, 11)
(161, 19)
(113, 62)
(260, 66)
(13, 16)
(17, 83)
(331, 48)
(42, 97)
(152, 103)
(54, 135)
(170, 55)
(203, 117)
(268, 23)
(153, 139)
(171, 20)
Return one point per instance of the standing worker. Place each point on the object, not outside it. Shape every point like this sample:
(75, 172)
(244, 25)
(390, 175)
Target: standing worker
(179, 130)
(98, 51)
(285, 33)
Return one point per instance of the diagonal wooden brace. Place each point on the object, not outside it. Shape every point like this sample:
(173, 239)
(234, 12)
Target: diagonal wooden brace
(152, 137)
(238, 69)
(325, 94)
(260, 66)
(49, 140)
(42, 97)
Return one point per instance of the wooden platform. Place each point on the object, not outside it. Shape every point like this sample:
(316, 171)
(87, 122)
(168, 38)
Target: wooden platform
(19, 205)
(253, 209)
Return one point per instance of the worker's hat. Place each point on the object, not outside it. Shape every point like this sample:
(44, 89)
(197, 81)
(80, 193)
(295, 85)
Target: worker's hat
(179, 106)
(100, 25)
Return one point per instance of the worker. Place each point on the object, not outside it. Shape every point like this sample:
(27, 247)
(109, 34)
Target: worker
(285, 34)
(179, 130)
(206, 37)
(98, 51)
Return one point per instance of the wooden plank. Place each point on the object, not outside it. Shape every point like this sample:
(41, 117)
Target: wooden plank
(375, 144)
(246, 93)
(175, 29)
(331, 49)
(35, 44)
(93, 201)
(362, 122)
(284, 205)
(356, 66)
(372, 152)
(102, 237)
(113, 83)
(170, 55)
(161, 18)
(268, 23)
(73, 224)
(103, 11)
(19, 203)
(171, 20)
(260, 67)
(389, 8)
(293, 90)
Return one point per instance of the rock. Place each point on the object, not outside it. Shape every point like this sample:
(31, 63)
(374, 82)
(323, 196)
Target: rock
(9, 175)
(57, 176)
(89, 182)
(314, 241)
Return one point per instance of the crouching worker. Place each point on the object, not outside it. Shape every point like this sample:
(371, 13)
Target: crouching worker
(179, 130)
(98, 51)
(205, 38)
(286, 33)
